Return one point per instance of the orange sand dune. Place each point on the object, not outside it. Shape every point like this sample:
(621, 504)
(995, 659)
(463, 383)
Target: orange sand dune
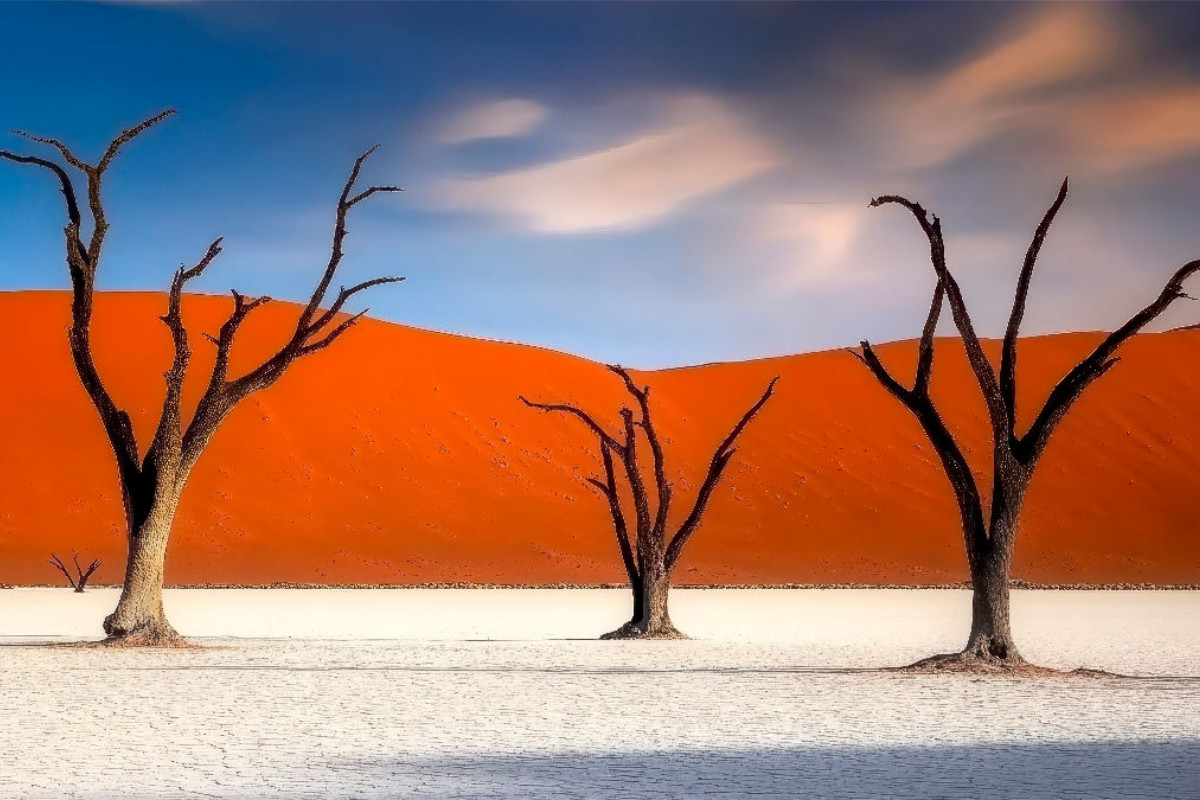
(403, 456)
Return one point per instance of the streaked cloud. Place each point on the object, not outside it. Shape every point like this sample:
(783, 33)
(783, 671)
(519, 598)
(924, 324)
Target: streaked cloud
(498, 119)
(936, 119)
(1131, 129)
(703, 147)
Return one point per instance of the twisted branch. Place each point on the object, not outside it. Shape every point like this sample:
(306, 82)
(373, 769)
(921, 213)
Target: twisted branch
(984, 374)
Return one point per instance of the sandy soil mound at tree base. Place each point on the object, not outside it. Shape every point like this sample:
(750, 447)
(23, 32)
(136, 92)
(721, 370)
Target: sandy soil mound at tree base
(403, 456)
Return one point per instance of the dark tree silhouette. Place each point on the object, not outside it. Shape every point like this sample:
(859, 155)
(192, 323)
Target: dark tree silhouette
(80, 578)
(151, 485)
(649, 556)
(990, 532)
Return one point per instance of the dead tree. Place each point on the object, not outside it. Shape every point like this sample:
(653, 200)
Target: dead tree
(648, 555)
(80, 578)
(990, 532)
(151, 485)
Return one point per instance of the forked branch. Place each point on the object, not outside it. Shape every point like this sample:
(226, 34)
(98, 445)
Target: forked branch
(1008, 355)
(1030, 447)
(608, 487)
(662, 487)
(919, 394)
(720, 461)
(222, 394)
(83, 261)
(984, 374)
(68, 156)
(309, 336)
(920, 404)
(648, 557)
(128, 135)
(1015, 456)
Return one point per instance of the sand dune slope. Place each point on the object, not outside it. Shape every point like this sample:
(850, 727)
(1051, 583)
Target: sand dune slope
(403, 456)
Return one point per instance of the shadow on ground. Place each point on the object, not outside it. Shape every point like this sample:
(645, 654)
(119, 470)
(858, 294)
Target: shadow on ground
(1113, 769)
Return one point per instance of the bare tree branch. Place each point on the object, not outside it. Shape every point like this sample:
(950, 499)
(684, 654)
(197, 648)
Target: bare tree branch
(881, 373)
(82, 573)
(603, 435)
(955, 464)
(309, 336)
(332, 336)
(925, 348)
(720, 460)
(984, 373)
(56, 562)
(1100, 361)
(749, 415)
(345, 203)
(1008, 358)
(363, 195)
(662, 488)
(646, 543)
(169, 421)
(72, 159)
(618, 516)
(128, 135)
(74, 243)
(79, 580)
(345, 294)
(920, 405)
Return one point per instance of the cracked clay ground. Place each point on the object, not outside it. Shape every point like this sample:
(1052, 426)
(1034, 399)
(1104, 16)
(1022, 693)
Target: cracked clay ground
(446, 693)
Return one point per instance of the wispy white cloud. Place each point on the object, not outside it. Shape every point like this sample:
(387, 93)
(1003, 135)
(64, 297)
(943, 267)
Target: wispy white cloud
(703, 147)
(807, 242)
(494, 120)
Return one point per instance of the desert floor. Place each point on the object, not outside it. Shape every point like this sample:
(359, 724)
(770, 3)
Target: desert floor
(447, 693)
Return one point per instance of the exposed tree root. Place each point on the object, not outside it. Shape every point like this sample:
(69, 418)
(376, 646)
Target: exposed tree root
(632, 630)
(149, 633)
(178, 643)
(974, 663)
(175, 642)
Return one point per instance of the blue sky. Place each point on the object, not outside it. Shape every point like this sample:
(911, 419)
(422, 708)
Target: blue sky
(654, 184)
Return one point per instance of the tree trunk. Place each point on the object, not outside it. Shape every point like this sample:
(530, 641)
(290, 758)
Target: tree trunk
(139, 618)
(638, 601)
(991, 569)
(656, 619)
(991, 631)
(990, 647)
(651, 617)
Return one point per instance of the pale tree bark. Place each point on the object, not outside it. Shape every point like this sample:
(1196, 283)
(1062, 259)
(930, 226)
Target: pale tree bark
(648, 553)
(990, 532)
(152, 484)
